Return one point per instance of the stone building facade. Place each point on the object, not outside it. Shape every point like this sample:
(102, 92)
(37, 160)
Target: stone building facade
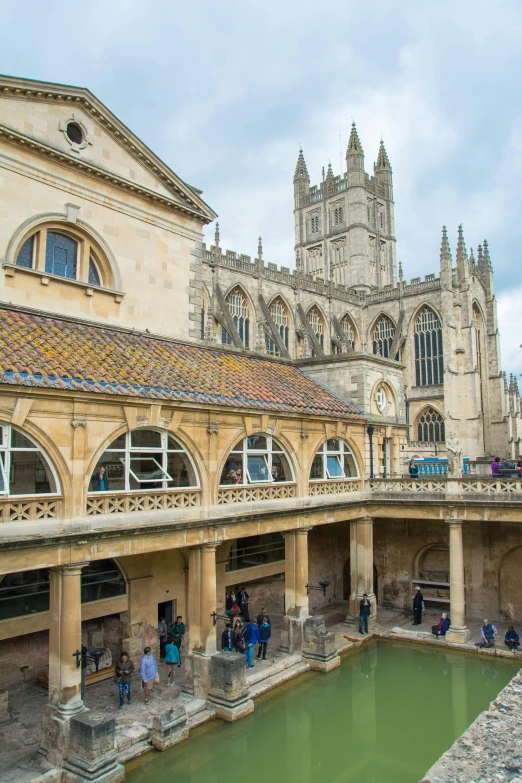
(177, 420)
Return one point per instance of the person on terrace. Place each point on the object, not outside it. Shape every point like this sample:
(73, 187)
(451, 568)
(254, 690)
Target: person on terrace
(487, 634)
(123, 670)
(365, 608)
(100, 482)
(148, 671)
(442, 626)
(512, 639)
(418, 606)
(495, 467)
(413, 470)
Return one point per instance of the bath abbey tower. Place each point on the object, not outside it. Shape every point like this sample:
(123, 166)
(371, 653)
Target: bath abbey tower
(178, 420)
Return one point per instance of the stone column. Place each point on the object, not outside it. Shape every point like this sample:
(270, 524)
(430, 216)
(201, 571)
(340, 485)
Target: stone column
(361, 567)
(65, 632)
(296, 597)
(201, 605)
(457, 631)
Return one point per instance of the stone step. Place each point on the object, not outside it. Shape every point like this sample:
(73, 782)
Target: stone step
(263, 670)
(194, 706)
(200, 717)
(277, 679)
(134, 751)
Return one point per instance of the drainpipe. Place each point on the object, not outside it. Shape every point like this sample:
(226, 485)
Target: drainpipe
(370, 430)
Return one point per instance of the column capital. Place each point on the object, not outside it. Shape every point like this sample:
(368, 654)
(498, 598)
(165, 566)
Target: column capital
(69, 569)
(303, 531)
(364, 520)
(454, 522)
(210, 546)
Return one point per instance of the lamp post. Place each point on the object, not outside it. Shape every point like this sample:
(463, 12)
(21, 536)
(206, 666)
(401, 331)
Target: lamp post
(323, 584)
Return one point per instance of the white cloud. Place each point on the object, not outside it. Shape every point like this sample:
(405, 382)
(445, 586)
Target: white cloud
(508, 308)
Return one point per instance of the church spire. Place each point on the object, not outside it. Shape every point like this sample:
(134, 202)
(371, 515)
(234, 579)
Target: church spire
(383, 161)
(487, 259)
(355, 159)
(354, 143)
(462, 258)
(446, 263)
(301, 172)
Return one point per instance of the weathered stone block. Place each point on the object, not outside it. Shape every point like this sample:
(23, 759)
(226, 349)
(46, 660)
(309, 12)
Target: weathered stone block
(229, 693)
(197, 675)
(91, 751)
(292, 635)
(319, 645)
(4, 714)
(170, 727)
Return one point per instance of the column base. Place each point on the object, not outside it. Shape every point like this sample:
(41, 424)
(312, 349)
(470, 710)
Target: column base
(197, 675)
(91, 753)
(458, 635)
(169, 728)
(292, 635)
(319, 648)
(229, 695)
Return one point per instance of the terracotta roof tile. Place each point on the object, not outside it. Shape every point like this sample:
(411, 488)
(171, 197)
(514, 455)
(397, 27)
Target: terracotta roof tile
(38, 350)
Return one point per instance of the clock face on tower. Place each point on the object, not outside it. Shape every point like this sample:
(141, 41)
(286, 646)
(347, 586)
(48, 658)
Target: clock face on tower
(381, 399)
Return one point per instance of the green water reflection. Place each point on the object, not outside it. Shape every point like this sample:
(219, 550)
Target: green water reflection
(383, 717)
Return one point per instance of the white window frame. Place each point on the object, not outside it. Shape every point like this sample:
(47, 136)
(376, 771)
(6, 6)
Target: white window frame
(6, 450)
(128, 452)
(242, 452)
(337, 454)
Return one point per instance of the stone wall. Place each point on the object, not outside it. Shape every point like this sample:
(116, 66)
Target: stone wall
(24, 658)
(268, 592)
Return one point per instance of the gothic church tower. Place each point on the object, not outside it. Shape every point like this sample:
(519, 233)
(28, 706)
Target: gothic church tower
(344, 227)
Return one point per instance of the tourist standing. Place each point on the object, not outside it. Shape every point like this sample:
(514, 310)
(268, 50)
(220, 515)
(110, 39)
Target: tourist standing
(243, 604)
(251, 637)
(163, 630)
(227, 639)
(148, 671)
(442, 626)
(487, 634)
(177, 631)
(365, 608)
(262, 616)
(512, 639)
(265, 632)
(123, 669)
(100, 482)
(418, 606)
(413, 470)
(495, 467)
(171, 659)
(239, 642)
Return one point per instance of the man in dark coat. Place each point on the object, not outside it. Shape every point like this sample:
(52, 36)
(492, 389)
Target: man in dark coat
(417, 606)
(365, 608)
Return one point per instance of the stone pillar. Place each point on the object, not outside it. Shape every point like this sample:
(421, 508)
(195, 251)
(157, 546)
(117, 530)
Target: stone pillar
(201, 605)
(361, 568)
(319, 645)
(65, 632)
(229, 693)
(296, 597)
(170, 727)
(92, 754)
(457, 631)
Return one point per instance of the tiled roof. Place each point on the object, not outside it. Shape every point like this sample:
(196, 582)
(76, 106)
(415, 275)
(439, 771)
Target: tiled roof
(40, 351)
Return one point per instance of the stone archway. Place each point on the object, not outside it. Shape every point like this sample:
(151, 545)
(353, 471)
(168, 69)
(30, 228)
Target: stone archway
(510, 585)
(432, 563)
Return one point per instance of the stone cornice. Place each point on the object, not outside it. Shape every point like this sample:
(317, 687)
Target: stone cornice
(28, 89)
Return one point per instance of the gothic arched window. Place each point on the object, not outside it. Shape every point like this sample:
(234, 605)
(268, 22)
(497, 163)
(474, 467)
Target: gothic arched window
(279, 315)
(382, 338)
(316, 321)
(429, 364)
(430, 427)
(238, 307)
(143, 459)
(348, 330)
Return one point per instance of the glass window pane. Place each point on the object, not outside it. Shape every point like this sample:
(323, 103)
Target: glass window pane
(257, 469)
(257, 442)
(102, 579)
(60, 255)
(333, 467)
(147, 470)
(30, 474)
(3, 482)
(350, 467)
(94, 277)
(145, 439)
(19, 441)
(317, 467)
(119, 443)
(280, 468)
(25, 254)
(109, 473)
(232, 472)
(174, 445)
(180, 470)
(333, 444)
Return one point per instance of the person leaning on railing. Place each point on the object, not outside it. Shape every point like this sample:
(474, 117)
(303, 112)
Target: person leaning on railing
(413, 469)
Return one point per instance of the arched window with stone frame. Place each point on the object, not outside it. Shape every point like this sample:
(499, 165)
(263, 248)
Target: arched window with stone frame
(429, 361)
(280, 317)
(382, 337)
(238, 306)
(349, 333)
(430, 426)
(25, 469)
(316, 321)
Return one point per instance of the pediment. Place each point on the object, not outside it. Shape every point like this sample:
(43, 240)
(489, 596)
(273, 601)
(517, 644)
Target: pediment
(41, 114)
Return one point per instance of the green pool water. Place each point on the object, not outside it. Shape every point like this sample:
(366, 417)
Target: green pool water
(384, 716)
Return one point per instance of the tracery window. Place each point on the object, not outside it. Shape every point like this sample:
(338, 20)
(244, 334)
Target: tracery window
(429, 363)
(348, 330)
(24, 467)
(27, 592)
(280, 317)
(141, 460)
(382, 339)
(430, 427)
(334, 460)
(257, 459)
(338, 216)
(238, 307)
(314, 224)
(315, 320)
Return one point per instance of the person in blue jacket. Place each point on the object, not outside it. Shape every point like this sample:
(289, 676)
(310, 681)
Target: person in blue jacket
(265, 632)
(172, 660)
(512, 639)
(251, 637)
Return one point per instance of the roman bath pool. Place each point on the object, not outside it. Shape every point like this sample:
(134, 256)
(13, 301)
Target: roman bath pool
(384, 716)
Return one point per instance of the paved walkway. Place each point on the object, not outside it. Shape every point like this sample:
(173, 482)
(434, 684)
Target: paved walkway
(19, 739)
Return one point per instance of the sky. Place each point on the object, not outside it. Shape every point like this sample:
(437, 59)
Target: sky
(226, 92)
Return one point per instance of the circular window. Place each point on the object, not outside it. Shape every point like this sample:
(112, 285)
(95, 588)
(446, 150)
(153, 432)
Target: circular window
(74, 133)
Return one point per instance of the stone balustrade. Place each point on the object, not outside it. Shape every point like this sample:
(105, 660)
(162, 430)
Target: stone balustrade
(450, 486)
(334, 487)
(123, 502)
(253, 493)
(31, 508)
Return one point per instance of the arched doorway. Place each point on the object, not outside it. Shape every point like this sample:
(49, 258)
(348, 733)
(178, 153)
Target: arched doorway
(432, 563)
(347, 581)
(510, 585)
